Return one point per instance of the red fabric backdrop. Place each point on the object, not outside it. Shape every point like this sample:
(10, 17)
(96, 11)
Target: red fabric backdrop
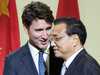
(9, 30)
(68, 8)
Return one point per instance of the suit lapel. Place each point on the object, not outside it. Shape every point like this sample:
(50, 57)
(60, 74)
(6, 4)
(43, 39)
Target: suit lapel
(75, 62)
(28, 61)
(70, 69)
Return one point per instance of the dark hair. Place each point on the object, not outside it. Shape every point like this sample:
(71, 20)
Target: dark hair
(73, 26)
(36, 10)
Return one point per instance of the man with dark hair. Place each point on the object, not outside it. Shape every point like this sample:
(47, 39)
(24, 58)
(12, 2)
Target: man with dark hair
(68, 37)
(33, 57)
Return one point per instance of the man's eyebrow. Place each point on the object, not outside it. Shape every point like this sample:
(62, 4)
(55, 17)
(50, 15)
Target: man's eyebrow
(39, 29)
(49, 27)
(54, 35)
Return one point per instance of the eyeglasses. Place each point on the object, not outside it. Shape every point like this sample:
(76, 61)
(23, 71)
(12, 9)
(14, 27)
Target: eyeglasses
(55, 39)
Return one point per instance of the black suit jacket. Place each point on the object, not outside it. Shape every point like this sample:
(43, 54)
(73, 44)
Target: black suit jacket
(20, 62)
(83, 64)
(55, 64)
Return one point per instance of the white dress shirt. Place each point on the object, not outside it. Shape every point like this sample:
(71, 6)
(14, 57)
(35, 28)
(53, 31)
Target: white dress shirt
(69, 61)
(35, 56)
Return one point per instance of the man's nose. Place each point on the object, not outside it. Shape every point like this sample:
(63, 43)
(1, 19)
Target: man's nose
(53, 43)
(44, 35)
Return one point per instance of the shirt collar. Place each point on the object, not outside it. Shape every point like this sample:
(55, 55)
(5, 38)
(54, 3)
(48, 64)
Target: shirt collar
(68, 62)
(35, 51)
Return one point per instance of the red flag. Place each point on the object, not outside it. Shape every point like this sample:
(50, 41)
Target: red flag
(68, 8)
(9, 30)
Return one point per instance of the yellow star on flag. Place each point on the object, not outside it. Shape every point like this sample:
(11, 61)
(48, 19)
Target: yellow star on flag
(9, 51)
(0, 48)
(3, 7)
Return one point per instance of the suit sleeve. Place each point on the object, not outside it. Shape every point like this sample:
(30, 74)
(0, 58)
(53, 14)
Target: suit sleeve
(90, 69)
(8, 67)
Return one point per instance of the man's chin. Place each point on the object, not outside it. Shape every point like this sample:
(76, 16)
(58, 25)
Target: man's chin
(43, 47)
(57, 55)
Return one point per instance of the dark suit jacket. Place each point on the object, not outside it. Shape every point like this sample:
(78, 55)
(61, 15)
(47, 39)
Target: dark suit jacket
(55, 64)
(20, 62)
(83, 64)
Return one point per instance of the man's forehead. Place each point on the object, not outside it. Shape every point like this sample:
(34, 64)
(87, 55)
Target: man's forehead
(40, 23)
(60, 26)
(58, 29)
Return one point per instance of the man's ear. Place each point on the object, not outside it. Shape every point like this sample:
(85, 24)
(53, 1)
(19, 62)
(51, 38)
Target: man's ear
(26, 29)
(75, 39)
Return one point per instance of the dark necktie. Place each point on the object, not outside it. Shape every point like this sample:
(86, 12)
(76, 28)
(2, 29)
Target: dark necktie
(41, 62)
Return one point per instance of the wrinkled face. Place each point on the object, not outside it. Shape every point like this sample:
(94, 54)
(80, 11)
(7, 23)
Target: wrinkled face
(39, 33)
(63, 46)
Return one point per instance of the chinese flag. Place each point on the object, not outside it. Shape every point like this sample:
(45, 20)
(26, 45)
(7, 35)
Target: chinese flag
(68, 8)
(9, 30)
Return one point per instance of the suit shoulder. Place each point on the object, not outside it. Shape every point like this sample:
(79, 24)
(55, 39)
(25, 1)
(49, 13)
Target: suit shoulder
(17, 53)
(89, 58)
(90, 62)
(90, 66)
